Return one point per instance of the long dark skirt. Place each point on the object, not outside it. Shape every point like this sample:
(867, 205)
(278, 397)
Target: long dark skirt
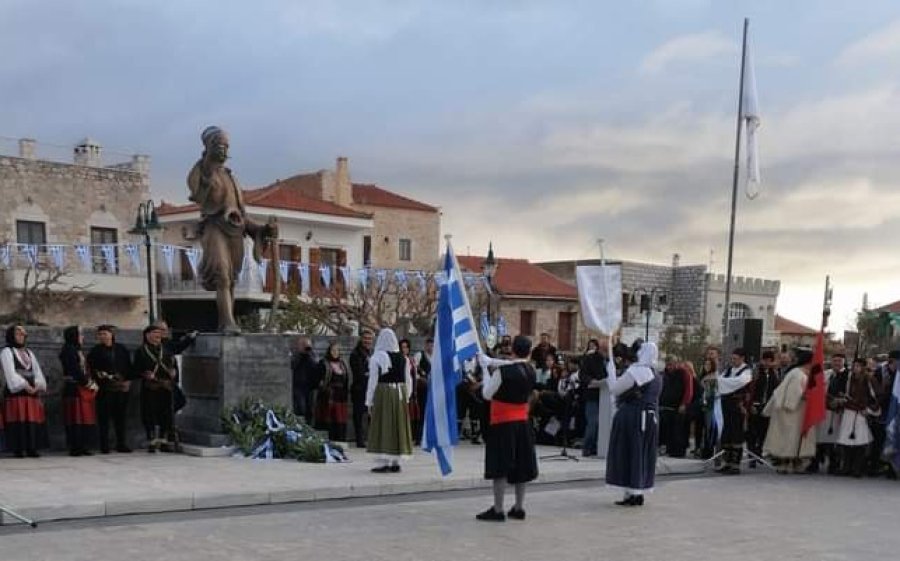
(509, 453)
(25, 423)
(631, 461)
(732, 424)
(80, 418)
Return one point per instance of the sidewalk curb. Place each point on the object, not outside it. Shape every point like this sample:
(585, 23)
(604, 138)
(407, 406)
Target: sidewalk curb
(211, 501)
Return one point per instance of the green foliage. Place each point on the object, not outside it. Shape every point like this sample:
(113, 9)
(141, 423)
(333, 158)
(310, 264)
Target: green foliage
(687, 345)
(246, 425)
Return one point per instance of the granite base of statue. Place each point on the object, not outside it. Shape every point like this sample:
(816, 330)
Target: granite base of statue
(221, 371)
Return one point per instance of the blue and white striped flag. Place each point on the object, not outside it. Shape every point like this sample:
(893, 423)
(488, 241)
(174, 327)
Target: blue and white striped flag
(485, 326)
(456, 342)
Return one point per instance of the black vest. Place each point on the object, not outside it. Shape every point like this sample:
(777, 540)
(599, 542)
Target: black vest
(425, 364)
(673, 388)
(397, 373)
(517, 383)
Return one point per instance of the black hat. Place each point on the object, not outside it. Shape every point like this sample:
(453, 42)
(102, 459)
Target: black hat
(521, 346)
(804, 355)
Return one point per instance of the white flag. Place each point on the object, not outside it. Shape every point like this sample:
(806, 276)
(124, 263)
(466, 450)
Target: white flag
(750, 116)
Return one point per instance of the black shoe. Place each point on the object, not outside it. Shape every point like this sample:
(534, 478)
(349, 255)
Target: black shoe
(382, 469)
(476, 440)
(516, 513)
(730, 470)
(638, 500)
(491, 515)
(122, 449)
(32, 454)
(395, 468)
(19, 454)
(75, 453)
(87, 453)
(630, 500)
(360, 444)
(104, 450)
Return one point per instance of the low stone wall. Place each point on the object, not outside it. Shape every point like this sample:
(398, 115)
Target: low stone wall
(46, 343)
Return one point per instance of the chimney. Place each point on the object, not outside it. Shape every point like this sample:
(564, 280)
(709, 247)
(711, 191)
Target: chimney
(26, 148)
(87, 153)
(676, 260)
(343, 186)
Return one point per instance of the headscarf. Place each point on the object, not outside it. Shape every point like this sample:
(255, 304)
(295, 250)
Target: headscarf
(387, 341)
(643, 370)
(11, 337)
(209, 134)
(70, 336)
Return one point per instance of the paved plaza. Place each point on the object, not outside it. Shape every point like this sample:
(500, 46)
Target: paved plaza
(757, 516)
(59, 487)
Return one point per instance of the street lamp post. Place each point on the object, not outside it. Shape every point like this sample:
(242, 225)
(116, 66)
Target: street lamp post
(489, 268)
(648, 297)
(147, 222)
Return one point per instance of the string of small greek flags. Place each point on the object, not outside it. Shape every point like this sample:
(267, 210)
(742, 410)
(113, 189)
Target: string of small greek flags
(115, 257)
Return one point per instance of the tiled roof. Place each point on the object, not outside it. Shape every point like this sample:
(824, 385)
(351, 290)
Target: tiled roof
(893, 308)
(518, 277)
(282, 195)
(788, 327)
(368, 194)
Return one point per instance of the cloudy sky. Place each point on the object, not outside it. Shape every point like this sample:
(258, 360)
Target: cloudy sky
(542, 126)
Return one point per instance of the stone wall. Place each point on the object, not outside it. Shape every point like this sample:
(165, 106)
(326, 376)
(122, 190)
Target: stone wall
(392, 225)
(546, 318)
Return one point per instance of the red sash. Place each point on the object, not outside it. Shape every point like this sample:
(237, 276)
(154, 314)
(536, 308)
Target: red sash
(503, 412)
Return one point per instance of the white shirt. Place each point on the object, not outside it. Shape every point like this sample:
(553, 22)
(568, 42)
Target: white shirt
(729, 385)
(14, 381)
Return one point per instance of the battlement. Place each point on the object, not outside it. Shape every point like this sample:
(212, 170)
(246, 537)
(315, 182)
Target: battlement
(744, 285)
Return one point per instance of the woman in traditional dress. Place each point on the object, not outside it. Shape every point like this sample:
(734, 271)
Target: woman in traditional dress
(785, 442)
(858, 401)
(23, 410)
(156, 368)
(333, 393)
(631, 462)
(387, 397)
(79, 395)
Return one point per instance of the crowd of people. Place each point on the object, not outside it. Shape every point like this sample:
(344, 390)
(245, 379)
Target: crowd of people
(761, 408)
(96, 390)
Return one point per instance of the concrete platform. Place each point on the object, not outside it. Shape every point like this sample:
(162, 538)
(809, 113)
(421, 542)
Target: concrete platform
(60, 487)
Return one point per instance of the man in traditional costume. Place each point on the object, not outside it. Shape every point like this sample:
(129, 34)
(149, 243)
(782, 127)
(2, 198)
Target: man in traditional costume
(765, 380)
(110, 366)
(509, 453)
(23, 410)
(785, 443)
(732, 389)
(79, 395)
(156, 367)
(836, 379)
(857, 399)
(387, 397)
(631, 461)
(677, 394)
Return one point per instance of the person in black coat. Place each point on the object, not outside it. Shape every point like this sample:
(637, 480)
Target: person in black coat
(156, 368)
(359, 370)
(110, 366)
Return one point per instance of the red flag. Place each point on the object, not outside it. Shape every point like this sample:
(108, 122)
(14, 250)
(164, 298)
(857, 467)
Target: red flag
(815, 387)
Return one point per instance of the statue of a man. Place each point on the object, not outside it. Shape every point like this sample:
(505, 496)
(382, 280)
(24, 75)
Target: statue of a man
(223, 224)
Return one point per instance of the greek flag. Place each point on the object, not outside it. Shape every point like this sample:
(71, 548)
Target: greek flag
(456, 342)
(892, 442)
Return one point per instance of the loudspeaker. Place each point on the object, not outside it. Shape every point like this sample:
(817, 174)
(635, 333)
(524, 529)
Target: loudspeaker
(746, 333)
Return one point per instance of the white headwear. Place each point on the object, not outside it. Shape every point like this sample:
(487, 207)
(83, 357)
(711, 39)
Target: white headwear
(387, 341)
(642, 370)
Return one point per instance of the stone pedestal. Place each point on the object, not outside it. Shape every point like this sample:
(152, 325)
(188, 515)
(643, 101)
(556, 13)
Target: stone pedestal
(220, 371)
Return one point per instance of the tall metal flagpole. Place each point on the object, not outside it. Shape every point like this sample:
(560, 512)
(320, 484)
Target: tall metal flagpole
(734, 188)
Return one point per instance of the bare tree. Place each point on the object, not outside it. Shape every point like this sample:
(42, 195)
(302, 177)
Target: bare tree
(42, 290)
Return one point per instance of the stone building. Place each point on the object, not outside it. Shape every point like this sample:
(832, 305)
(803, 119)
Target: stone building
(792, 334)
(682, 295)
(532, 301)
(325, 221)
(48, 205)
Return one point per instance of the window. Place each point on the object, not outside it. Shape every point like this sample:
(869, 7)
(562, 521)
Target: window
(526, 322)
(405, 250)
(32, 233)
(101, 236)
(367, 251)
(738, 310)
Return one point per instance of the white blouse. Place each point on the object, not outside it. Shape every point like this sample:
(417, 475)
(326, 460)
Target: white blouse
(14, 381)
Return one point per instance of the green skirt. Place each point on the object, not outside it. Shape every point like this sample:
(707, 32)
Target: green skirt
(389, 431)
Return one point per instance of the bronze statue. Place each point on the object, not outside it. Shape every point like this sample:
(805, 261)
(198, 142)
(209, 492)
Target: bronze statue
(223, 224)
